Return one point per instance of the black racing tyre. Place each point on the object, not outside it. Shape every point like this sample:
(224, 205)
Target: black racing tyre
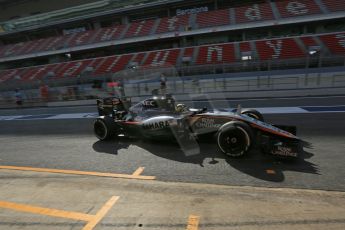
(104, 128)
(253, 114)
(235, 138)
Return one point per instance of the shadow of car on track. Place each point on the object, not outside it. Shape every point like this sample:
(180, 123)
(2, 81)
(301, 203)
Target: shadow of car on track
(255, 164)
(271, 168)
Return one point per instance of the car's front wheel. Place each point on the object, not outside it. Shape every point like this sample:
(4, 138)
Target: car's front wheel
(104, 128)
(235, 138)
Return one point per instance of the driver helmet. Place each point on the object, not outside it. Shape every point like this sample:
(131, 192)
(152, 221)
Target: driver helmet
(180, 108)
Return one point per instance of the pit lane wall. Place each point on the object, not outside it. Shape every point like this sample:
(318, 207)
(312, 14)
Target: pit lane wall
(250, 86)
(270, 84)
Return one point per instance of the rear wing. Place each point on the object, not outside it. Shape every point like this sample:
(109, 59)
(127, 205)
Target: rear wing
(108, 106)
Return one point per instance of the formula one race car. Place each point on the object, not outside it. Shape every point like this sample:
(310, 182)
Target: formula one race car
(158, 118)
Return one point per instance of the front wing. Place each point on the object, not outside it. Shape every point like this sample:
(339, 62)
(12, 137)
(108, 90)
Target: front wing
(281, 147)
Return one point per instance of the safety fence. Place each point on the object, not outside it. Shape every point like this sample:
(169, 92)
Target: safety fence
(223, 78)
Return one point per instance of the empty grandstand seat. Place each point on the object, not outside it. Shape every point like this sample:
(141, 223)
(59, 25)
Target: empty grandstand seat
(245, 47)
(72, 69)
(176, 23)
(334, 42)
(334, 5)
(19, 48)
(283, 48)
(245, 51)
(6, 75)
(109, 33)
(53, 43)
(308, 41)
(188, 54)
(293, 8)
(93, 65)
(34, 73)
(255, 12)
(113, 64)
(23, 48)
(213, 18)
(14, 49)
(2, 49)
(30, 72)
(215, 54)
(138, 58)
(37, 72)
(81, 38)
(162, 58)
(59, 42)
(142, 28)
(33, 46)
(107, 65)
(122, 62)
(278, 49)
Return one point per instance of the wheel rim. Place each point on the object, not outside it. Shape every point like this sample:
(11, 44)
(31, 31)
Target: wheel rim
(235, 142)
(100, 130)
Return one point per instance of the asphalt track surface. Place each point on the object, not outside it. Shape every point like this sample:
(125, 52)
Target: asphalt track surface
(70, 144)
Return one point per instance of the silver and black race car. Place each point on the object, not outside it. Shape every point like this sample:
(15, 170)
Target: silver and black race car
(160, 118)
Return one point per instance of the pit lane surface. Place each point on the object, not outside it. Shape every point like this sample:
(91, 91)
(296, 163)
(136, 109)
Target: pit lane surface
(70, 144)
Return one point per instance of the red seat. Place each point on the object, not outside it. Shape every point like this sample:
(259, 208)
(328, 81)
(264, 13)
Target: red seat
(33, 46)
(109, 33)
(177, 23)
(122, 62)
(255, 12)
(107, 65)
(334, 5)
(162, 58)
(308, 41)
(9, 74)
(138, 58)
(187, 56)
(95, 63)
(334, 42)
(38, 72)
(81, 38)
(142, 28)
(213, 18)
(293, 8)
(2, 47)
(71, 69)
(13, 49)
(215, 54)
(53, 43)
(283, 48)
(245, 47)
(278, 49)
(244, 14)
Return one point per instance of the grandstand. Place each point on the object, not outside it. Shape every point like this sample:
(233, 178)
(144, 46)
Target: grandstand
(195, 37)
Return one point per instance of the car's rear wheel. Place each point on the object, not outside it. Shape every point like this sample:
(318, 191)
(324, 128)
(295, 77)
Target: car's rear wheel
(253, 114)
(235, 138)
(104, 128)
